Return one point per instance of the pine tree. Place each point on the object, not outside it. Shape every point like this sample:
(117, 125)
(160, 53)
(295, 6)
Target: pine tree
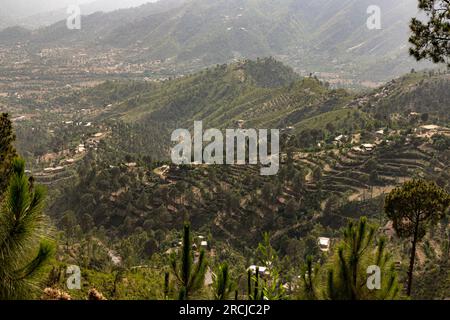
(190, 276)
(223, 285)
(166, 285)
(413, 208)
(431, 38)
(254, 287)
(309, 276)
(24, 245)
(347, 279)
(7, 151)
(270, 287)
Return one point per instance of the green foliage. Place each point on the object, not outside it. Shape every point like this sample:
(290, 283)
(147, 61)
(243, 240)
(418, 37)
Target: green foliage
(431, 39)
(269, 287)
(134, 210)
(427, 92)
(347, 279)
(254, 286)
(310, 285)
(441, 142)
(280, 75)
(7, 151)
(272, 288)
(189, 275)
(166, 285)
(223, 285)
(24, 245)
(124, 284)
(413, 208)
(266, 254)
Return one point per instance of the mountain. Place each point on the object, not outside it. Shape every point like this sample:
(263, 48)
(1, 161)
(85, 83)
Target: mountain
(5, 20)
(33, 13)
(47, 12)
(111, 5)
(264, 93)
(327, 36)
(320, 182)
(103, 151)
(257, 94)
(23, 8)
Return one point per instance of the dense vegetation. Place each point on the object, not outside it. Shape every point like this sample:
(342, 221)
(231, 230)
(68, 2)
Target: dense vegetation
(430, 38)
(120, 204)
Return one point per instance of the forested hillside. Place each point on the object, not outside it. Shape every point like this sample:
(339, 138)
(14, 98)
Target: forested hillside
(247, 150)
(103, 152)
(342, 154)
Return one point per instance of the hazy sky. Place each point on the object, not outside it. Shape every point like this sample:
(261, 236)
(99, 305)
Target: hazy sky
(24, 8)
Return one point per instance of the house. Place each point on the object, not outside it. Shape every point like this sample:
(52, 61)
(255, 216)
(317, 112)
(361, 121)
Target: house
(429, 127)
(341, 139)
(368, 147)
(428, 131)
(288, 129)
(81, 148)
(324, 244)
(240, 123)
(261, 270)
(54, 170)
(414, 115)
(131, 165)
(18, 119)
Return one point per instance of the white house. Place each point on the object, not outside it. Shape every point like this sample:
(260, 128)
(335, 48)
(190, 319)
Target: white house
(262, 270)
(324, 244)
(340, 139)
(368, 147)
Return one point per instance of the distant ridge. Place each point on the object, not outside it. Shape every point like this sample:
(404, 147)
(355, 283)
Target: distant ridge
(311, 36)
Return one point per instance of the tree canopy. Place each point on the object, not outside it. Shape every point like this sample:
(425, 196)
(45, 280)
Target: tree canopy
(412, 208)
(431, 38)
(24, 246)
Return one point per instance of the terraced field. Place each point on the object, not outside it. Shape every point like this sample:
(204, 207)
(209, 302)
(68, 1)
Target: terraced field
(232, 201)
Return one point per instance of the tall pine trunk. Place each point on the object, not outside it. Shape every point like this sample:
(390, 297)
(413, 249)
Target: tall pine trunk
(412, 258)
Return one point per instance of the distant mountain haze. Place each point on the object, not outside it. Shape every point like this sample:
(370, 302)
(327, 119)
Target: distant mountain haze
(110, 5)
(36, 13)
(24, 8)
(310, 35)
